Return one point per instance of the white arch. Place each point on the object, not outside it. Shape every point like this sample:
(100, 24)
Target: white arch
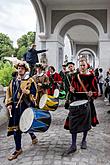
(42, 14)
(88, 49)
(75, 16)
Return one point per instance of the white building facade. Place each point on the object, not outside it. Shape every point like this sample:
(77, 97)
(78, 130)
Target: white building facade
(86, 22)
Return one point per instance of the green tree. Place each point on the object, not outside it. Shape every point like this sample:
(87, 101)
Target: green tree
(26, 39)
(6, 46)
(6, 70)
(22, 50)
(24, 43)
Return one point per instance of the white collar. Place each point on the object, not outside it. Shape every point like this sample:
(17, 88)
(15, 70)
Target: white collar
(40, 74)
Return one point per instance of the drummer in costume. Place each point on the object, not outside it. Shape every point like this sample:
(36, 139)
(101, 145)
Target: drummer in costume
(55, 80)
(84, 87)
(42, 82)
(19, 95)
(63, 73)
(68, 78)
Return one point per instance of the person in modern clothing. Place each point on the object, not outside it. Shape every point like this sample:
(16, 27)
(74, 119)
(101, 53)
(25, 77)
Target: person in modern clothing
(101, 81)
(31, 57)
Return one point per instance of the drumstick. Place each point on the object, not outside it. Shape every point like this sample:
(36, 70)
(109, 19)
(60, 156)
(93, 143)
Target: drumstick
(68, 80)
(10, 112)
(22, 95)
(19, 100)
(84, 92)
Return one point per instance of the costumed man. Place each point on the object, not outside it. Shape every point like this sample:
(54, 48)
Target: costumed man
(19, 95)
(84, 87)
(42, 82)
(63, 88)
(68, 78)
(31, 57)
(55, 80)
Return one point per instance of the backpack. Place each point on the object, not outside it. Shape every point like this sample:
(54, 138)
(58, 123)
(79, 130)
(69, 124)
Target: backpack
(29, 57)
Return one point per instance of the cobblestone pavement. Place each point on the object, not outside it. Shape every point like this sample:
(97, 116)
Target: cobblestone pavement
(53, 143)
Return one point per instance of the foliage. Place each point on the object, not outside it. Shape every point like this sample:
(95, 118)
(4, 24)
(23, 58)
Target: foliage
(6, 46)
(24, 43)
(6, 71)
(26, 40)
(22, 50)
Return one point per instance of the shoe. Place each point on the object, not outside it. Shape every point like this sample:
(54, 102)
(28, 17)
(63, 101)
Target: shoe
(108, 112)
(105, 99)
(108, 104)
(83, 145)
(71, 150)
(15, 154)
(34, 141)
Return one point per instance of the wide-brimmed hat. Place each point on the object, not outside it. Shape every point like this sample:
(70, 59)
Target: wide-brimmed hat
(22, 64)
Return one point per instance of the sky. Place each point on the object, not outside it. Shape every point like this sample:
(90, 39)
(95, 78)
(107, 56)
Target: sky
(17, 17)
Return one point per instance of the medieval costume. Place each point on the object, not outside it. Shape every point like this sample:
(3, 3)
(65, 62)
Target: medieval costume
(55, 80)
(17, 87)
(42, 83)
(84, 87)
(68, 79)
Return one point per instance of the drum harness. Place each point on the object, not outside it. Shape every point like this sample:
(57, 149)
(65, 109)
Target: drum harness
(81, 83)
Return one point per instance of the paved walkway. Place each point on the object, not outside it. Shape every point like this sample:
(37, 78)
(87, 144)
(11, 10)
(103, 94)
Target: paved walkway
(56, 140)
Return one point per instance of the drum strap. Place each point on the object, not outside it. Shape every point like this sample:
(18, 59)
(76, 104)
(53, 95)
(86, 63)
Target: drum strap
(81, 83)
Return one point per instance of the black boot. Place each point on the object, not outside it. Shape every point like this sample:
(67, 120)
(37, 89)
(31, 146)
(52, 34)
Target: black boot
(83, 145)
(71, 150)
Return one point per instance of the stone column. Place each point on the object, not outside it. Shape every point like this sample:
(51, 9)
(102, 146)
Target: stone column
(55, 48)
(55, 54)
(104, 53)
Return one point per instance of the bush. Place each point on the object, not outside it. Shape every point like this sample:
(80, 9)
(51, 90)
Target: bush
(6, 70)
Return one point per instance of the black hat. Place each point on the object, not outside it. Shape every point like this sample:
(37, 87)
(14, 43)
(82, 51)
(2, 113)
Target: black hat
(38, 65)
(64, 65)
(70, 63)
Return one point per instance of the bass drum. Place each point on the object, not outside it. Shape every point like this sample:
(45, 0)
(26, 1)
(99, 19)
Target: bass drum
(34, 120)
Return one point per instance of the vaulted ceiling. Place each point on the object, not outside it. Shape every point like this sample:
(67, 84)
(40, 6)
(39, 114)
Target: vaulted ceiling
(83, 34)
(76, 2)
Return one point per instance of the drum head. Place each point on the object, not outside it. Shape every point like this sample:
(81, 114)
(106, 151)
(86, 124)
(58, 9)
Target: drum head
(26, 120)
(77, 103)
(43, 100)
(56, 93)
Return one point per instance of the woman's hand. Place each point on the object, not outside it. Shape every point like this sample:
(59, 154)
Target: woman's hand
(71, 89)
(90, 94)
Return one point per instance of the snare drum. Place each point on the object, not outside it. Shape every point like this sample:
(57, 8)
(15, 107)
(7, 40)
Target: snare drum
(34, 120)
(48, 102)
(78, 103)
(79, 116)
